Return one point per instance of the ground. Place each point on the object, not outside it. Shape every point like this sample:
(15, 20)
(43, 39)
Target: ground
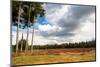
(45, 56)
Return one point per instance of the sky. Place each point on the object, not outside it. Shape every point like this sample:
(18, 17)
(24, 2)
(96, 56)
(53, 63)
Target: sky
(61, 24)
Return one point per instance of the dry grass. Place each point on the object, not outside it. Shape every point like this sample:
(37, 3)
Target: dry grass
(54, 57)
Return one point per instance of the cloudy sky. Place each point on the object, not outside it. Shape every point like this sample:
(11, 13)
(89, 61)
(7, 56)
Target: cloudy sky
(62, 23)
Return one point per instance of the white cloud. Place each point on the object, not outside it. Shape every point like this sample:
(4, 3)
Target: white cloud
(49, 28)
(45, 27)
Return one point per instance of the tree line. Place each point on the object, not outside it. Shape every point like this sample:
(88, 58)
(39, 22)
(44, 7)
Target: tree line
(87, 44)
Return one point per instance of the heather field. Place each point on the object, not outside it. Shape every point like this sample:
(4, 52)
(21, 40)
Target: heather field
(45, 56)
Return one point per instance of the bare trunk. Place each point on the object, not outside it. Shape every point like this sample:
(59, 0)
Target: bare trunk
(26, 47)
(21, 43)
(18, 29)
(32, 39)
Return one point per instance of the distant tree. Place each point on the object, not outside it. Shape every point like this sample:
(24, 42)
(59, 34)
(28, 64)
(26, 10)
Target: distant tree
(20, 43)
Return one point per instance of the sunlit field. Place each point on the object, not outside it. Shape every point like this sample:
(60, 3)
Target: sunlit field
(46, 56)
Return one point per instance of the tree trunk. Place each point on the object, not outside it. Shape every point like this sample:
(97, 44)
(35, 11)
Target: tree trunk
(17, 34)
(21, 43)
(26, 47)
(32, 38)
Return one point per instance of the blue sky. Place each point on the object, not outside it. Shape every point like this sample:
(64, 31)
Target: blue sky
(39, 21)
(42, 20)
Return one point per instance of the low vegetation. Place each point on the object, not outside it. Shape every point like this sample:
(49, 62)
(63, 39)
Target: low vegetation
(54, 56)
(44, 54)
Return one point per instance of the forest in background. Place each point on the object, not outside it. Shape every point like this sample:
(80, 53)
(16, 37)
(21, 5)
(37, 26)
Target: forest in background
(87, 44)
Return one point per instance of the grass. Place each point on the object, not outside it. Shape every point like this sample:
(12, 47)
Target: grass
(53, 58)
